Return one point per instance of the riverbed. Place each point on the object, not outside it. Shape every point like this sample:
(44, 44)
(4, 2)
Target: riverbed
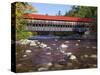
(56, 54)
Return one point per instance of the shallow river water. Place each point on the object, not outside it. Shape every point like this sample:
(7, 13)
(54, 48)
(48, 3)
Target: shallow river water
(57, 55)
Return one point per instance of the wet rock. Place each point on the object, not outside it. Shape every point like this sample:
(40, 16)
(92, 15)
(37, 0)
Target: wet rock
(48, 47)
(94, 65)
(49, 64)
(24, 55)
(45, 66)
(38, 43)
(76, 44)
(93, 56)
(42, 45)
(94, 47)
(19, 65)
(66, 41)
(64, 46)
(72, 57)
(48, 53)
(78, 40)
(62, 51)
(42, 69)
(68, 53)
(28, 51)
(86, 56)
(87, 47)
(33, 43)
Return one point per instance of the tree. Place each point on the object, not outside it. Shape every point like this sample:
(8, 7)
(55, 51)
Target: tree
(84, 12)
(21, 8)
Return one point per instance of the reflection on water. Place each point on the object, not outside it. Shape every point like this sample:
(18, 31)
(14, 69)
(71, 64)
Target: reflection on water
(40, 55)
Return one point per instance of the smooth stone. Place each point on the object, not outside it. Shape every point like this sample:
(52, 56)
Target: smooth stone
(33, 43)
(93, 56)
(64, 46)
(49, 53)
(87, 47)
(48, 48)
(19, 65)
(68, 54)
(72, 57)
(66, 41)
(94, 47)
(94, 65)
(78, 40)
(42, 69)
(38, 43)
(76, 44)
(24, 55)
(86, 56)
(28, 51)
(42, 45)
(49, 64)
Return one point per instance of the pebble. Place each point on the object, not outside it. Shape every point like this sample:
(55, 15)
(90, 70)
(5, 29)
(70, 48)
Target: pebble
(28, 51)
(42, 69)
(78, 40)
(86, 56)
(94, 47)
(49, 64)
(68, 54)
(49, 53)
(66, 41)
(64, 46)
(19, 65)
(87, 47)
(43, 45)
(24, 55)
(62, 51)
(77, 44)
(48, 48)
(38, 43)
(94, 65)
(93, 56)
(72, 57)
(33, 43)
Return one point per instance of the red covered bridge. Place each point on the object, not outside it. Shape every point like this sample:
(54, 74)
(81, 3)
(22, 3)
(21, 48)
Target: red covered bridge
(37, 22)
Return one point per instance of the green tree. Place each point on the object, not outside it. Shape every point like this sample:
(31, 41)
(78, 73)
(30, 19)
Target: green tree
(21, 8)
(84, 12)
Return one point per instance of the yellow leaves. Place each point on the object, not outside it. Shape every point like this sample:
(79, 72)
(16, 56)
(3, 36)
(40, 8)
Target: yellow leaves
(30, 33)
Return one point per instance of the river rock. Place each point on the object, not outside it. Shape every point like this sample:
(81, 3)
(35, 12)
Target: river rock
(42, 69)
(64, 46)
(93, 56)
(72, 57)
(28, 51)
(42, 45)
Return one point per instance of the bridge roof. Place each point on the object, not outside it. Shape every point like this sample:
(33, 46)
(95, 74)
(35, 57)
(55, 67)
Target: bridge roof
(57, 18)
